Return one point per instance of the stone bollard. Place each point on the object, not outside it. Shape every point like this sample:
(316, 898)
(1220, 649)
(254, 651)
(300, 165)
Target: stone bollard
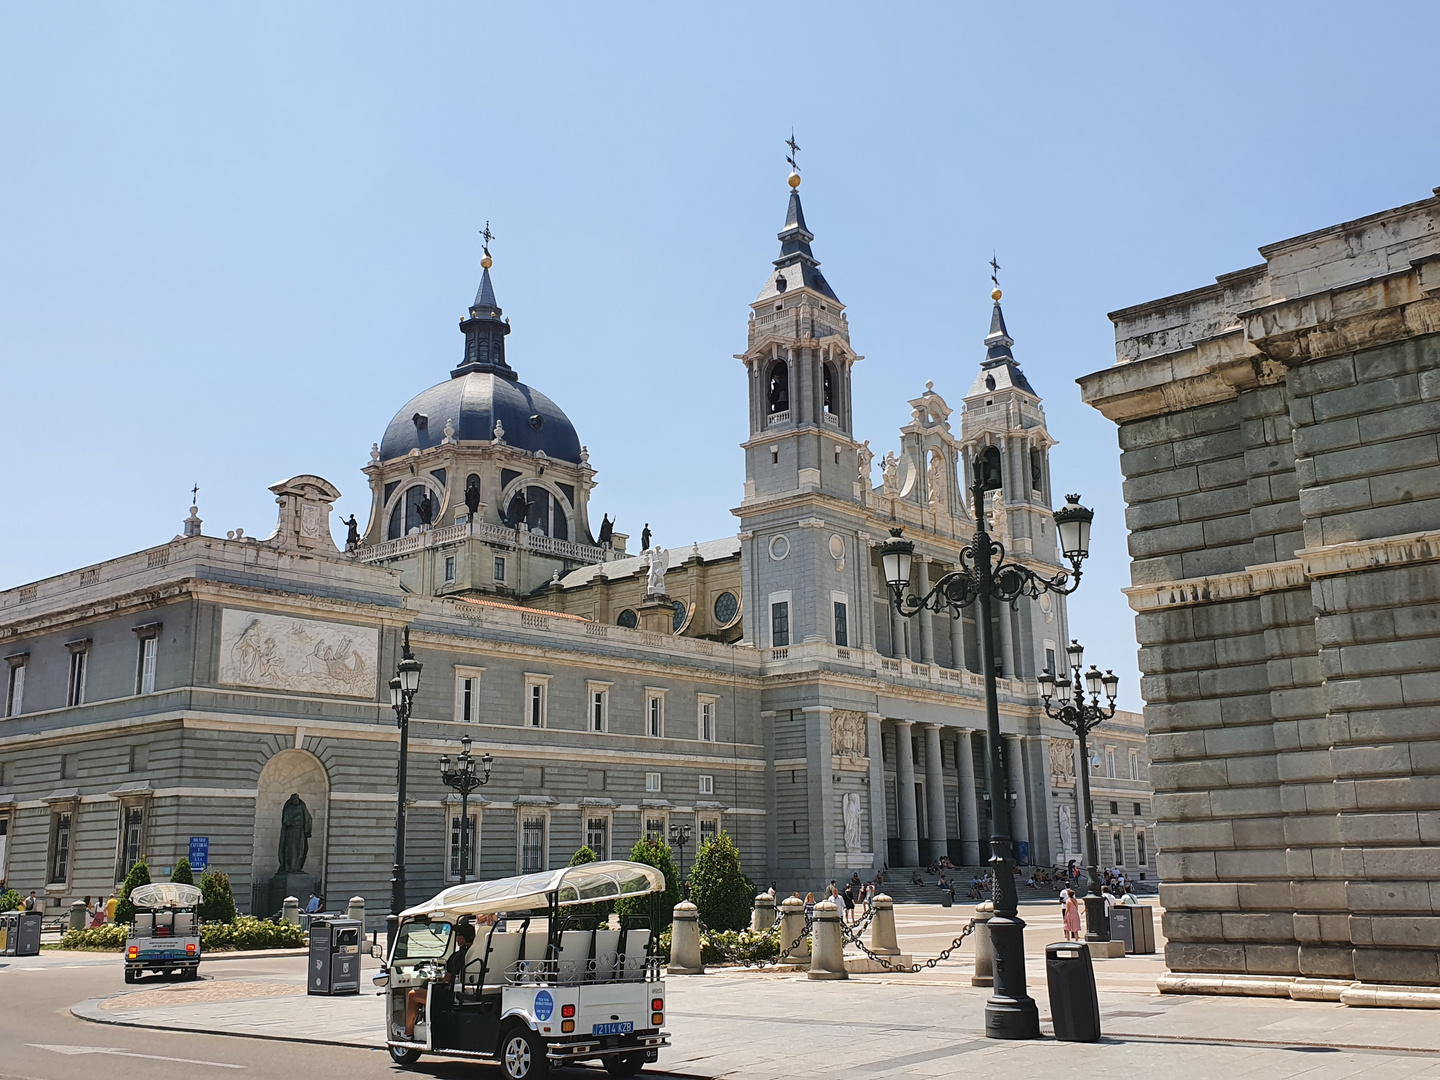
(356, 911)
(762, 916)
(290, 911)
(78, 915)
(792, 926)
(827, 957)
(685, 941)
(882, 930)
(984, 950)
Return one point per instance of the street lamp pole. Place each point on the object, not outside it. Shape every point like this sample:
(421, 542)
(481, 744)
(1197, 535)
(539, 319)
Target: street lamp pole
(983, 577)
(464, 779)
(1082, 718)
(402, 698)
(680, 836)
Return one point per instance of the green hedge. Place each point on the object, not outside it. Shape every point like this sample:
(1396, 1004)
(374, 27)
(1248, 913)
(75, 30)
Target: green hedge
(217, 902)
(246, 932)
(729, 947)
(139, 875)
(110, 937)
(10, 900)
(719, 887)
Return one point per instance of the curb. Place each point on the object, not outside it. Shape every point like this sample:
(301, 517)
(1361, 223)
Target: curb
(90, 1010)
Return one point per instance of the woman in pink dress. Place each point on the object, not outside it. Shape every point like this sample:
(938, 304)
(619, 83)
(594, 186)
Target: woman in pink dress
(1072, 916)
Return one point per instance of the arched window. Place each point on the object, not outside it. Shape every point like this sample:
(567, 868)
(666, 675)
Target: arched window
(540, 512)
(828, 378)
(407, 512)
(779, 399)
(989, 465)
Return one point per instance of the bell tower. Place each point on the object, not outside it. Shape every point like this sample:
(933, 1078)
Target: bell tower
(1002, 428)
(801, 458)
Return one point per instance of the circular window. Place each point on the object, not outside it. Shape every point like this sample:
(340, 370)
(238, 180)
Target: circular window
(726, 608)
(779, 547)
(628, 619)
(682, 616)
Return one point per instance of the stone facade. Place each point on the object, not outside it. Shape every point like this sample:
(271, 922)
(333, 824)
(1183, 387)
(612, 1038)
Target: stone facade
(757, 683)
(1278, 435)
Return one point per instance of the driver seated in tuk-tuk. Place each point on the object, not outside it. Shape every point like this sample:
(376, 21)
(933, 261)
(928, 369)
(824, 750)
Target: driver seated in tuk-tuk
(454, 968)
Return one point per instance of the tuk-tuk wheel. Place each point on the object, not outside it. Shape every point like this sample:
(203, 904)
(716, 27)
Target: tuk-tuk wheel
(404, 1056)
(191, 973)
(131, 975)
(624, 1064)
(522, 1054)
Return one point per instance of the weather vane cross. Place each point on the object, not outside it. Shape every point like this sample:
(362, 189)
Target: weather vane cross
(195, 493)
(794, 149)
(486, 235)
(994, 269)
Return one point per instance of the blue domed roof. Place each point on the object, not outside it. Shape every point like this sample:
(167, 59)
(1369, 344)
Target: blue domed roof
(472, 402)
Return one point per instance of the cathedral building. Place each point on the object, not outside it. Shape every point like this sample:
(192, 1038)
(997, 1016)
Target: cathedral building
(173, 700)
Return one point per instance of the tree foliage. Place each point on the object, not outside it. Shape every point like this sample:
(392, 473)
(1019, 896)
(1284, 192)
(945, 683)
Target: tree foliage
(217, 902)
(182, 872)
(139, 875)
(599, 910)
(10, 900)
(656, 853)
(719, 887)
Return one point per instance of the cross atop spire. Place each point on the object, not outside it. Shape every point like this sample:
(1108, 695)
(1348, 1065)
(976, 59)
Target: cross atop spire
(994, 269)
(790, 158)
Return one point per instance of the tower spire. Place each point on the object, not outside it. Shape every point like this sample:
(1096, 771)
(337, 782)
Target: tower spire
(999, 369)
(485, 327)
(797, 265)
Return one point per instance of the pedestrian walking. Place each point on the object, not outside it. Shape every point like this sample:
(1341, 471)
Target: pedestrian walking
(1072, 915)
(809, 906)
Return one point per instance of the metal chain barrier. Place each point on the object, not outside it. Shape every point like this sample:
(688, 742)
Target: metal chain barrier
(888, 965)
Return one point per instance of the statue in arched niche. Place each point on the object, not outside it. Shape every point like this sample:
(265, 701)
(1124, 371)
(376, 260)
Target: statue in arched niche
(296, 825)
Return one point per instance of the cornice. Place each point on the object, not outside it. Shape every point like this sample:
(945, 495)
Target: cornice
(1360, 555)
(1218, 588)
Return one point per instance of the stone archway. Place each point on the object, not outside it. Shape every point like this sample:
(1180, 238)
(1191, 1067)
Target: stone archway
(289, 772)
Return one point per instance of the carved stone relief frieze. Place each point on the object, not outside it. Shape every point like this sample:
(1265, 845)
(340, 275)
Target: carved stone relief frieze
(848, 733)
(1062, 761)
(278, 652)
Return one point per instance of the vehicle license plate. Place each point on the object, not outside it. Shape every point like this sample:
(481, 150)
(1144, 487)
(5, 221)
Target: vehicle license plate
(624, 1028)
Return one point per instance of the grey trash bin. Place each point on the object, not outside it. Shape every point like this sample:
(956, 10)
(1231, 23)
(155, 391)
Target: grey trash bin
(334, 957)
(1074, 1005)
(1122, 926)
(26, 934)
(7, 933)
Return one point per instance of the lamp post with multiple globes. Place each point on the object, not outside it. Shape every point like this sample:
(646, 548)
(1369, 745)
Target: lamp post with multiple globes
(1082, 718)
(464, 779)
(983, 578)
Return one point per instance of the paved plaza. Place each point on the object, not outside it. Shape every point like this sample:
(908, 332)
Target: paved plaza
(751, 1025)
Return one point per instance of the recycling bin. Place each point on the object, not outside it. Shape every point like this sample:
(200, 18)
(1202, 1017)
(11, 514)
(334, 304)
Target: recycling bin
(1143, 919)
(1074, 1005)
(7, 934)
(25, 934)
(334, 957)
(1122, 926)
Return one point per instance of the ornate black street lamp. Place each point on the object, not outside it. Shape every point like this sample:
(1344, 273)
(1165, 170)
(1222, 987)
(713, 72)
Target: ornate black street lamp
(679, 837)
(402, 696)
(1082, 718)
(982, 578)
(464, 779)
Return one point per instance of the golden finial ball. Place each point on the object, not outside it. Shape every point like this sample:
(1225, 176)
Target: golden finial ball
(995, 293)
(794, 180)
(487, 262)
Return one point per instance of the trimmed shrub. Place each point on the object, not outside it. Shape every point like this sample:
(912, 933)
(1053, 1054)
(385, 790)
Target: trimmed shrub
(654, 853)
(110, 937)
(139, 875)
(217, 902)
(182, 873)
(738, 946)
(719, 888)
(10, 900)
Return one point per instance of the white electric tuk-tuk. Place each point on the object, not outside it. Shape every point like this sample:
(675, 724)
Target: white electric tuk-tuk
(551, 983)
(165, 936)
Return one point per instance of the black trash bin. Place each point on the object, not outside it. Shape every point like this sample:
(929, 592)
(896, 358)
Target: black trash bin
(26, 933)
(334, 957)
(1074, 1005)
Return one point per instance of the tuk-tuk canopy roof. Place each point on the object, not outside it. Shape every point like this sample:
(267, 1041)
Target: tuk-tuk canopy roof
(584, 884)
(165, 894)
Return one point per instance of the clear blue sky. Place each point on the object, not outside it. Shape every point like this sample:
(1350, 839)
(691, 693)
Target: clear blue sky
(235, 239)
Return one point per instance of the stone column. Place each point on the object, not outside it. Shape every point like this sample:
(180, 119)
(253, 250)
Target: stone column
(905, 809)
(957, 642)
(1006, 646)
(927, 625)
(969, 823)
(935, 794)
(827, 957)
(1020, 814)
(897, 631)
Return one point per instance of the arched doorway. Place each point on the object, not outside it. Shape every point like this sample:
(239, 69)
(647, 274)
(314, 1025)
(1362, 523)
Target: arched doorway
(290, 772)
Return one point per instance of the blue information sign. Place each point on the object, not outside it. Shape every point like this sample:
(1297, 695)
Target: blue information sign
(199, 852)
(1022, 852)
